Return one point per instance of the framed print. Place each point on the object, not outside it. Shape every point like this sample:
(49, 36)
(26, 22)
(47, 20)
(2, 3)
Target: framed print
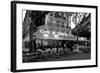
(47, 36)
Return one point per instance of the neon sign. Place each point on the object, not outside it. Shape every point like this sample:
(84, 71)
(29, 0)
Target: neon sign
(53, 32)
(45, 31)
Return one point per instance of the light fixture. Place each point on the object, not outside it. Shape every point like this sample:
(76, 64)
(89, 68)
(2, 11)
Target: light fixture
(42, 31)
(53, 32)
(45, 35)
(56, 36)
(65, 34)
(81, 38)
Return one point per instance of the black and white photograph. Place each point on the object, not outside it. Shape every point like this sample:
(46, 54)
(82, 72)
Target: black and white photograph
(56, 36)
(48, 36)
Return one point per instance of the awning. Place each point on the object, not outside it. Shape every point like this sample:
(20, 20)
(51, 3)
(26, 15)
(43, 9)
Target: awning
(40, 35)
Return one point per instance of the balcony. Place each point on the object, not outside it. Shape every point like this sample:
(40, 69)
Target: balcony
(57, 22)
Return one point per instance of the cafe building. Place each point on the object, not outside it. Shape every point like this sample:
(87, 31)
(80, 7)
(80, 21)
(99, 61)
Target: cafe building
(55, 33)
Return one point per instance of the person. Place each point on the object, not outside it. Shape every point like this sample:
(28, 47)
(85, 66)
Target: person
(34, 43)
(30, 47)
(70, 45)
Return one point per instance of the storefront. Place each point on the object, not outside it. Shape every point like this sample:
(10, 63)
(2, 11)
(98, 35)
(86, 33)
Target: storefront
(55, 33)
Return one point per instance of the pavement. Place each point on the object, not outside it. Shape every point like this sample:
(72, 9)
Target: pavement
(65, 57)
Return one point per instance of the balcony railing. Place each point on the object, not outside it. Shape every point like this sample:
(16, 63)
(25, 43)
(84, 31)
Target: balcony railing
(57, 22)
